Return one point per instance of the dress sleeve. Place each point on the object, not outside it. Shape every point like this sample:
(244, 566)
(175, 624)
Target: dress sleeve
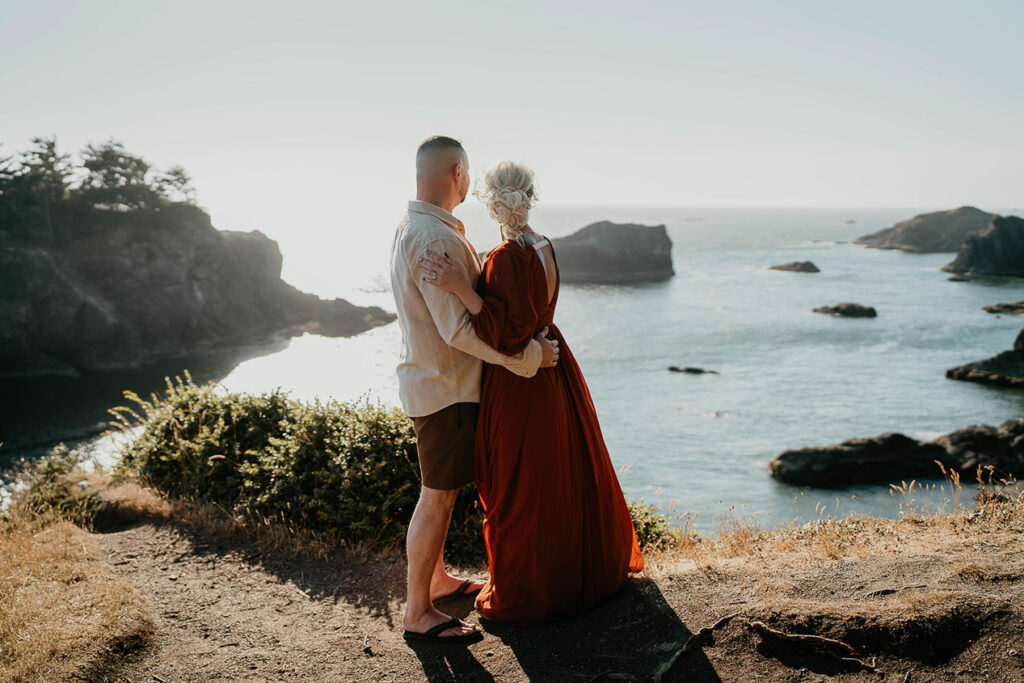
(508, 320)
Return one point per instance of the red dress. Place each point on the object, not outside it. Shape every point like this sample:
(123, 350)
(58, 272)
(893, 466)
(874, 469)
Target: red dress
(558, 533)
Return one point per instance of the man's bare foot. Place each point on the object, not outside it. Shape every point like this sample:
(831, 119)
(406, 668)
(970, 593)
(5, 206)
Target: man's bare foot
(430, 619)
(452, 586)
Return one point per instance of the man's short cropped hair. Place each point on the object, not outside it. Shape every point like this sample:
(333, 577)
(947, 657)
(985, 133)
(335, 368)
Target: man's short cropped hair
(438, 142)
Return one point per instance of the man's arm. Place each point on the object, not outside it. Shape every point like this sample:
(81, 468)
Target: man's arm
(453, 321)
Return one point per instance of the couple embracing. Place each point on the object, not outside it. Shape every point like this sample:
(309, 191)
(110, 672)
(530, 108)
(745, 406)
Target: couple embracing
(496, 397)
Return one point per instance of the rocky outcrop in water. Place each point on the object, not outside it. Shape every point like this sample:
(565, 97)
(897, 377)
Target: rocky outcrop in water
(894, 457)
(797, 267)
(615, 253)
(930, 232)
(1014, 308)
(847, 311)
(1003, 370)
(131, 288)
(996, 250)
(692, 371)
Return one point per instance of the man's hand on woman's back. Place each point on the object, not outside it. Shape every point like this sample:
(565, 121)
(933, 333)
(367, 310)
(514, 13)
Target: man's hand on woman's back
(548, 348)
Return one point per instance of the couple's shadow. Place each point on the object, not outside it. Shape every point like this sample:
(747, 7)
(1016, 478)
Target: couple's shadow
(632, 635)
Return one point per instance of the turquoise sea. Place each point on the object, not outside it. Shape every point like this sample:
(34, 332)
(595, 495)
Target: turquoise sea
(788, 377)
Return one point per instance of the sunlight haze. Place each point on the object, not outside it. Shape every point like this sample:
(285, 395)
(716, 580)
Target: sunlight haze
(301, 119)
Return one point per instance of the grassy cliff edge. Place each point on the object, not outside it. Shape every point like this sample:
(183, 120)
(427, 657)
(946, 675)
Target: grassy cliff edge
(237, 524)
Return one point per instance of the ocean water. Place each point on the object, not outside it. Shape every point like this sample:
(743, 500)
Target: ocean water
(700, 444)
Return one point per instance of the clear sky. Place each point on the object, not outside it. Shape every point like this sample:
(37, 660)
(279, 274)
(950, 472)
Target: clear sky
(298, 113)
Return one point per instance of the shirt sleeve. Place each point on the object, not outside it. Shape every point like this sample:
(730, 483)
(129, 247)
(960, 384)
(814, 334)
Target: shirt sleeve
(454, 323)
(508, 319)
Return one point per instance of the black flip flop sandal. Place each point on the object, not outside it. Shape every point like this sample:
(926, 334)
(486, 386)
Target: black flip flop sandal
(433, 634)
(462, 591)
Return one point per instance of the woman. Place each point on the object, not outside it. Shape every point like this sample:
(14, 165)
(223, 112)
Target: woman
(558, 533)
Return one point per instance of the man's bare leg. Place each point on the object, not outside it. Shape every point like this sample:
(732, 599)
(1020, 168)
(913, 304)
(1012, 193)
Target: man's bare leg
(424, 544)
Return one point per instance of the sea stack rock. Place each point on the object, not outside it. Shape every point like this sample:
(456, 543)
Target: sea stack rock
(1003, 370)
(930, 232)
(996, 250)
(848, 311)
(615, 253)
(128, 289)
(895, 457)
(797, 267)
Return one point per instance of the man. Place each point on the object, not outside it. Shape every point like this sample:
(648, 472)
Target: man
(439, 379)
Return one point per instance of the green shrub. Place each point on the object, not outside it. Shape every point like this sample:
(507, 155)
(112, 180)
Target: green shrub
(324, 466)
(49, 495)
(653, 530)
(349, 468)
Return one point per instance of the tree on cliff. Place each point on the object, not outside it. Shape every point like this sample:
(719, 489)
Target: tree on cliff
(32, 191)
(116, 179)
(38, 195)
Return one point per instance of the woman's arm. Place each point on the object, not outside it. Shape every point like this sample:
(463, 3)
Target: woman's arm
(440, 271)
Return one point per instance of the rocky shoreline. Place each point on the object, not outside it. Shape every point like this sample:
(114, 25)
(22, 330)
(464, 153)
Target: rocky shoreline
(893, 457)
(1003, 370)
(134, 288)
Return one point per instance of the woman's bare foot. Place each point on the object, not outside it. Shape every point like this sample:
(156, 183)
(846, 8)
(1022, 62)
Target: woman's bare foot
(449, 585)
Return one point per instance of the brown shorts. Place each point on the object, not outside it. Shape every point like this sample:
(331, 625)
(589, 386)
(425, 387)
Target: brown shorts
(444, 443)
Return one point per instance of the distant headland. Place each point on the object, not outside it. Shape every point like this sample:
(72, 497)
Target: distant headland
(110, 264)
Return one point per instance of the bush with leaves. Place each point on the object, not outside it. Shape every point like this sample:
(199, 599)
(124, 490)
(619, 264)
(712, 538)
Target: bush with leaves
(348, 468)
(324, 466)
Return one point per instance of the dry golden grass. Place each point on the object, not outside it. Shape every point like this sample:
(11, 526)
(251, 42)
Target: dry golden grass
(851, 538)
(128, 500)
(62, 612)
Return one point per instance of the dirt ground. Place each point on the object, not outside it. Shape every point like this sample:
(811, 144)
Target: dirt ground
(937, 607)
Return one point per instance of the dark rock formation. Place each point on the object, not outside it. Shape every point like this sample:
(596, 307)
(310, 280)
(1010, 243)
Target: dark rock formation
(615, 253)
(797, 267)
(996, 250)
(930, 232)
(894, 457)
(132, 288)
(848, 311)
(1014, 308)
(958, 278)
(691, 371)
(1003, 370)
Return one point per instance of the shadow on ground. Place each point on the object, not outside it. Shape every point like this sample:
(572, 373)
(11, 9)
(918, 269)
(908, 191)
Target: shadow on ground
(630, 637)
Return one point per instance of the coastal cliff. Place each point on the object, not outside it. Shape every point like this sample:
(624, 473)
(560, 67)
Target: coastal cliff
(615, 253)
(125, 289)
(939, 231)
(996, 250)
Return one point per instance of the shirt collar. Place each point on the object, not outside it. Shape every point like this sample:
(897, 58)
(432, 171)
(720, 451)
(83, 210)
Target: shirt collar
(437, 212)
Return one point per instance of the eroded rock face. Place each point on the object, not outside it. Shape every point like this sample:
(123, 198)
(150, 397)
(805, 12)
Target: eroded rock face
(893, 457)
(930, 232)
(615, 253)
(996, 250)
(134, 288)
(848, 311)
(797, 267)
(1004, 370)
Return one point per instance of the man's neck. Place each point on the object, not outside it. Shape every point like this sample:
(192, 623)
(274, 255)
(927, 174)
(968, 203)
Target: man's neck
(445, 203)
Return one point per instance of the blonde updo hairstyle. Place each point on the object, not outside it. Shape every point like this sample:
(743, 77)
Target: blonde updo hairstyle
(509, 194)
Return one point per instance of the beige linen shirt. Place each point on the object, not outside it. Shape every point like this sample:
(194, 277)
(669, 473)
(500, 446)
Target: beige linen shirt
(441, 354)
